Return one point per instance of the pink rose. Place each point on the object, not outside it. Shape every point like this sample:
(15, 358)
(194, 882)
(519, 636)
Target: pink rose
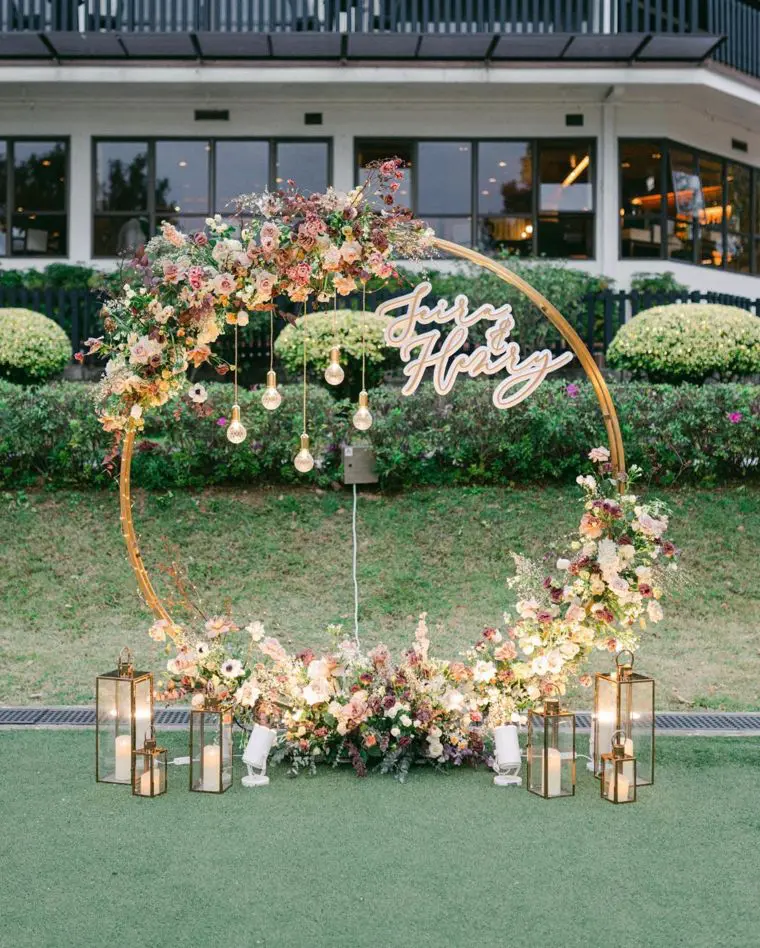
(195, 277)
(224, 284)
(269, 237)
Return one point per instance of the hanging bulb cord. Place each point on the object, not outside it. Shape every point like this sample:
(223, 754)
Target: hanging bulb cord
(235, 380)
(271, 340)
(304, 367)
(354, 572)
(364, 326)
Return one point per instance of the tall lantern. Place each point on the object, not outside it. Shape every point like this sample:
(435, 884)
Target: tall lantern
(210, 750)
(124, 715)
(624, 701)
(551, 751)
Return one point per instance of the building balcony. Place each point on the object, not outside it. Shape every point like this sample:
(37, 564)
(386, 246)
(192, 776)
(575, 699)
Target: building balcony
(571, 31)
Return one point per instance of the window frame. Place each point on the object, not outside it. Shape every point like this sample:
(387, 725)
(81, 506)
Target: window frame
(10, 202)
(533, 141)
(666, 145)
(151, 140)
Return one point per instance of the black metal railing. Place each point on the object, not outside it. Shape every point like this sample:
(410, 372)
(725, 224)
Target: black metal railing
(606, 311)
(77, 311)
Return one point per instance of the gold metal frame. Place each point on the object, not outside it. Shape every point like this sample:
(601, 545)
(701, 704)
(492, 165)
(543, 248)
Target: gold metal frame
(571, 337)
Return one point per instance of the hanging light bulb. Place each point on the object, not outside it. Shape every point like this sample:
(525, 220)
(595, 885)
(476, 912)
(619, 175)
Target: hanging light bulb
(334, 373)
(271, 398)
(303, 461)
(236, 430)
(363, 416)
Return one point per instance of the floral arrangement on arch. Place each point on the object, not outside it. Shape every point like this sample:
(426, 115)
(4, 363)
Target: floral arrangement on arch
(307, 249)
(379, 712)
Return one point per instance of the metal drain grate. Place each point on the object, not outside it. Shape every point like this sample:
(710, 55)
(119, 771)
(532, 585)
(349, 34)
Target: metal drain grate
(667, 721)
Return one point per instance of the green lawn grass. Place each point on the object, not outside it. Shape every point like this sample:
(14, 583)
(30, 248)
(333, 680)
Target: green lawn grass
(68, 601)
(340, 862)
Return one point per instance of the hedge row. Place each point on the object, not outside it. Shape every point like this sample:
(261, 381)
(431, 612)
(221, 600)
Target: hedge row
(50, 436)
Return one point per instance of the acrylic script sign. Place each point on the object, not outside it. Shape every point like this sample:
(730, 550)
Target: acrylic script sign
(444, 355)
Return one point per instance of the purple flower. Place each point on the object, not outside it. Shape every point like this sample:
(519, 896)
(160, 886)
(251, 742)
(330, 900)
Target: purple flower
(734, 417)
(221, 421)
(572, 391)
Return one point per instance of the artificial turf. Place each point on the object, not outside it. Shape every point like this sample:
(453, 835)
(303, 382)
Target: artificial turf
(338, 861)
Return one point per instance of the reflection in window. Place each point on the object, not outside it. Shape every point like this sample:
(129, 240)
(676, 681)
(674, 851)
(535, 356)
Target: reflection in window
(370, 152)
(182, 179)
(566, 235)
(35, 222)
(710, 216)
(121, 182)
(738, 224)
(641, 199)
(564, 173)
(240, 168)
(306, 163)
(505, 196)
(139, 184)
(444, 178)
(685, 204)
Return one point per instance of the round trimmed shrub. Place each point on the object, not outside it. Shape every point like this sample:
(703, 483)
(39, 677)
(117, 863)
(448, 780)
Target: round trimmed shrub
(33, 348)
(688, 342)
(322, 333)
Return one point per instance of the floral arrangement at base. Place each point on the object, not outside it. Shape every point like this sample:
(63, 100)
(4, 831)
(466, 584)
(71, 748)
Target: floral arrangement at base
(385, 714)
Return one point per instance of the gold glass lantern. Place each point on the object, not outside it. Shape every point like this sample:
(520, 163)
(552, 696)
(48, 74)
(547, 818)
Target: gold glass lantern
(618, 772)
(551, 751)
(210, 750)
(149, 768)
(124, 715)
(624, 701)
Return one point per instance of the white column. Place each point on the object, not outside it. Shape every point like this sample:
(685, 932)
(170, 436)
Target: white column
(608, 224)
(80, 197)
(343, 162)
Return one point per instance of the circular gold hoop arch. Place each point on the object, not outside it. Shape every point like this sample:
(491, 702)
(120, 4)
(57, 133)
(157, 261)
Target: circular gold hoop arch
(571, 337)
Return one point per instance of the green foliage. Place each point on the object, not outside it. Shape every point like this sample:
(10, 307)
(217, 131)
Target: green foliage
(706, 434)
(56, 276)
(346, 331)
(33, 348)
(564, 286)
(688, 342)
(658, 283)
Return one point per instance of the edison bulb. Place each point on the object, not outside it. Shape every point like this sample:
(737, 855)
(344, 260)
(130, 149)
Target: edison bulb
(303, 461)
(236, 430)
(363, 416)
(334, 373)
(271, 398)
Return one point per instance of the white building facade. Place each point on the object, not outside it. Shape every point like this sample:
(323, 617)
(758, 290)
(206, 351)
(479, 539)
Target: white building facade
(542, 135)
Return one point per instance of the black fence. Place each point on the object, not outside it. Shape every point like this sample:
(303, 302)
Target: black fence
(623, 30)
(77, 311)
(608, 310)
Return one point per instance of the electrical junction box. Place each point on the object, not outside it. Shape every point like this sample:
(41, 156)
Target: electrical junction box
(359, 465)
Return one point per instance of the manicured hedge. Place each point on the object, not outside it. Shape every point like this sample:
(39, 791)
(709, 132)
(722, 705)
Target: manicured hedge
(704, 433)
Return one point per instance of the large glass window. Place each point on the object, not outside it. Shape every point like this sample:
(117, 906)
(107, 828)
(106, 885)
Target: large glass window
(505, 197)
(641, 199)
(33, 196)
(140, 183)
(684, 204)
(487, 193)
(738, 222)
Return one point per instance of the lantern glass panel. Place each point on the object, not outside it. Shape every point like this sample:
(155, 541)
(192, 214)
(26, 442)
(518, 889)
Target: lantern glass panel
(143, 709)
(619, 779)
(150, 773)
(637, 719)
(551, 754)
(210, 751)
(605, 718)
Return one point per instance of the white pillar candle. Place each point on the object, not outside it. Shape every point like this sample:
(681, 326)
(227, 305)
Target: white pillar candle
(628, 767)
(554, 771)
(210, 767)
(507, 744)
(623, 788)
(123, 770)
(145, 788)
